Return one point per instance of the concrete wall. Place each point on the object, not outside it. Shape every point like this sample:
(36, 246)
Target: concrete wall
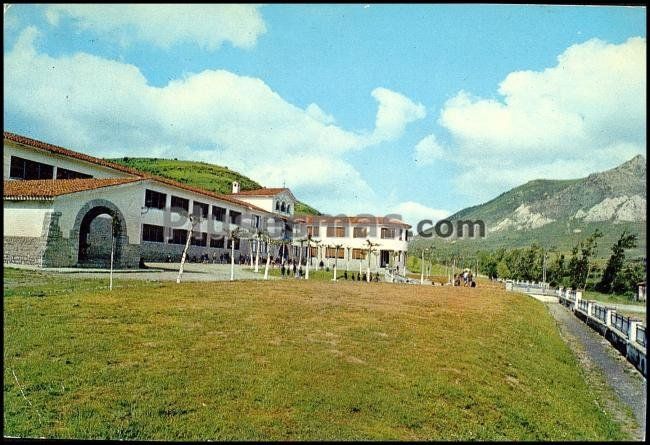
(24, 218)
(158, 252)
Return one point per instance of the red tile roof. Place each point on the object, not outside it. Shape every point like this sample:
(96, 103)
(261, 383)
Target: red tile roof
(362, 220)
(49, 188)
(263, 192)
(139, 175)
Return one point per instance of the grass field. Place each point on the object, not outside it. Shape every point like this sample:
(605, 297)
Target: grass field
(611, 298)
(287, 359)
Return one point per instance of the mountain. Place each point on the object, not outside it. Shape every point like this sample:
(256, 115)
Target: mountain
(559, 213)
(201, 174)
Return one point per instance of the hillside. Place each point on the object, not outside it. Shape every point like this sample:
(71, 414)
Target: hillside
(200, 174)
(559, 213)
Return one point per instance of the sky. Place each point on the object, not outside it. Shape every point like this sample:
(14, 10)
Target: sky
(414, 110)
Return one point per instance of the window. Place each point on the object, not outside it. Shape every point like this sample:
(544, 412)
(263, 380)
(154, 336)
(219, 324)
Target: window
(200, 209)
(335, 232)
(217, 242)
(277, 205)
(331, 252)
(358, 254)
(314, 252)
(64, 173)
(179, 204)
(154, 200)
(235, 217)
(283, 207)
(153, 233)
(288, 208)
(218, 213)
(199, 239)
(360, 232)
(256, 221)
(312, 230)
(26, 169)
(179, 236)
(406, 235)
(387, 233)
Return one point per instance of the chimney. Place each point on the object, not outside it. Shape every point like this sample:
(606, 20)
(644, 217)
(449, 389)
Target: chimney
(235, 187)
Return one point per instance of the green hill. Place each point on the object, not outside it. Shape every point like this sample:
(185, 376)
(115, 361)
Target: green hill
(200, 174)
(557, 214)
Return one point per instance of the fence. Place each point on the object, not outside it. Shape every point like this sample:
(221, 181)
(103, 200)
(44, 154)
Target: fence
(599, 312)
(622, 323)
(641, 336)
(626, 334)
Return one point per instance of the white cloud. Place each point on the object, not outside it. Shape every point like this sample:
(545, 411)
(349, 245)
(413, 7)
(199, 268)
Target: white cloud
(414, 212)
(428, 150)
(107, 107)
(395, 112)
(166, 24)
(585, 114)
(315, 111)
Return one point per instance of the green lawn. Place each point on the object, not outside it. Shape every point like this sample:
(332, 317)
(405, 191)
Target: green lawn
(287, 359)
(611, 298)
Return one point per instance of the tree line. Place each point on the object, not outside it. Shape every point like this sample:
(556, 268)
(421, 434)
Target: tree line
(580, 270)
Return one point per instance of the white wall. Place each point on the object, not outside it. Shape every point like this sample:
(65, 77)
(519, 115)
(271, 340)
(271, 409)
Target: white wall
(128, 198)
(268, 202)
(25, 218)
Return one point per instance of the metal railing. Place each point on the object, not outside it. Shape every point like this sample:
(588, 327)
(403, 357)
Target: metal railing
(599, 312)
(641, 335)
(583, 305)
(622, 323)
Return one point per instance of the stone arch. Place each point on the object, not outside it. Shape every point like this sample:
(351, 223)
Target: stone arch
(81, 228)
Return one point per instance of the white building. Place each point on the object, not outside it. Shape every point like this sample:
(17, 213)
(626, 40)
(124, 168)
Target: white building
(273, 200)
(353, 242)
(63, 208)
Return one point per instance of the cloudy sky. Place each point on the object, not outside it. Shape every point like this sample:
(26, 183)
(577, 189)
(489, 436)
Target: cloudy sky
(419, 110)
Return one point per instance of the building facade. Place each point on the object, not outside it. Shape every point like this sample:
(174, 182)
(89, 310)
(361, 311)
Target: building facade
(66, 209)
(353, 243)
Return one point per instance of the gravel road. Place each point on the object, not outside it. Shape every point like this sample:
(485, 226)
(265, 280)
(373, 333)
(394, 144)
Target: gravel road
(594, 351)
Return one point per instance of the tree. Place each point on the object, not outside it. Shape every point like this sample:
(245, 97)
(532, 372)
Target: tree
(633, 272)
(557, 271)
(502, 270)
(580, 262)
(488, 264)
(371, 248)
(616, 261)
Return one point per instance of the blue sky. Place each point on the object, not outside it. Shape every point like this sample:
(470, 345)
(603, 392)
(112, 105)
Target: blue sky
(419, 110)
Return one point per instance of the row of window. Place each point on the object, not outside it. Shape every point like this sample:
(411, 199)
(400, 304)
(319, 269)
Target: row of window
(282, 207)
(357, 232)
(157, 200)
(332, 252)
(25, 169)
(154, 233)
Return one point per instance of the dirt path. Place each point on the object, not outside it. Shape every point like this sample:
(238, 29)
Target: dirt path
(606, 366)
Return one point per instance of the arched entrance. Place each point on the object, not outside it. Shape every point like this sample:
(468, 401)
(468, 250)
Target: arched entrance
(99, 227)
